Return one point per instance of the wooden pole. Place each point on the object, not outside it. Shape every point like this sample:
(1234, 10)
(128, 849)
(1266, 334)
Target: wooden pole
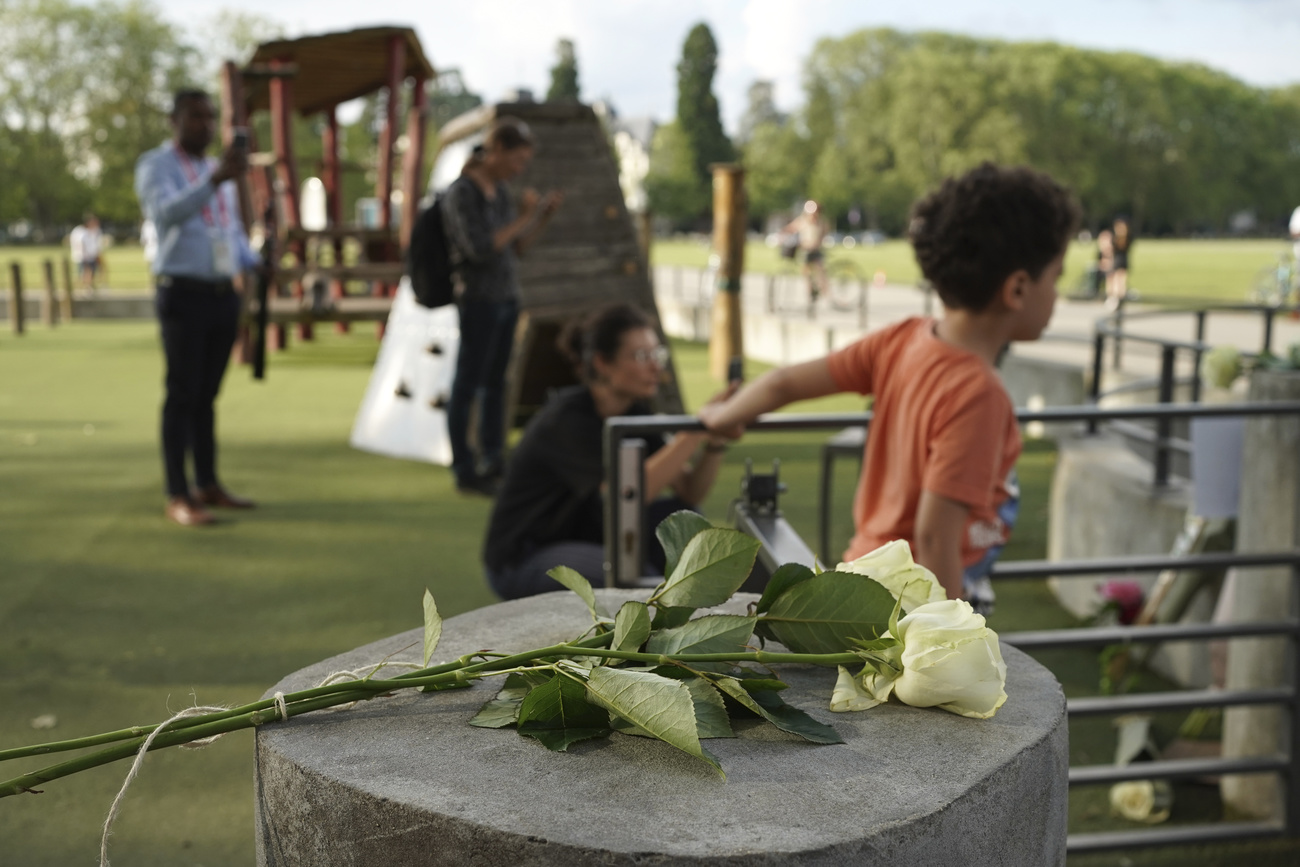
(49, 303)
(16, 297)
(727, 338)
(66, 312)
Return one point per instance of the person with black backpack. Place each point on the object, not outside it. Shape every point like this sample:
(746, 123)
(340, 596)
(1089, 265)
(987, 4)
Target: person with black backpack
(484, 233)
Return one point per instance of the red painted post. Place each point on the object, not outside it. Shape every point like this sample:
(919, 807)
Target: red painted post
(334, 197)
(388, 137)
(281, 90)
(416, 123)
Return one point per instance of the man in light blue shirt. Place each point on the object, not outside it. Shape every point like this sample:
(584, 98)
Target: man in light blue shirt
(202, 249)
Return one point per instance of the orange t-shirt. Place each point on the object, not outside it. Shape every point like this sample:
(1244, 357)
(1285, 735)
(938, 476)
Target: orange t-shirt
(942, 423)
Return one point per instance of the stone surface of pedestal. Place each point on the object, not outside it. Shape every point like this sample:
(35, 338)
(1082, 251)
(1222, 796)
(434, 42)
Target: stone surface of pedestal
(1269, 520)
(405, 780)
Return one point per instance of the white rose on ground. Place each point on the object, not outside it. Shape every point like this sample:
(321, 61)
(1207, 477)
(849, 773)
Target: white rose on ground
(950, 660)
(1221, 365)
(1141, 800)
(892, 566)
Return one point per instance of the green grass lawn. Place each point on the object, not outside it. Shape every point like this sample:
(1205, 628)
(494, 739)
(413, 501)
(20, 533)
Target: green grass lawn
(1219, 270)
(109, 616)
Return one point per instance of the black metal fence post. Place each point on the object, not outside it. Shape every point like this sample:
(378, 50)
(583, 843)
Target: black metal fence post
(1098, 353)
(1196, 355)
(1164, 426)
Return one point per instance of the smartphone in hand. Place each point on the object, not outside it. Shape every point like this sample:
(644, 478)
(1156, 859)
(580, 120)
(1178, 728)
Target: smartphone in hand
(736, 369)
(239, 139)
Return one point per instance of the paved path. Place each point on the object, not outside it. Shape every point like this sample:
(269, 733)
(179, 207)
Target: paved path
(1068, 338)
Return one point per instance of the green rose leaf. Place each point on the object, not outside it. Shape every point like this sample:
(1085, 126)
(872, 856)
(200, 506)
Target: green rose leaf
(711, 719)
(782, 580)
(676, 531)
(713, 566)
(829, 613)
(574, 581)
(432, 627)
(659, 706)
(631, 626)
(714, 633)
(504, 709)
(667, 617)
(773, 708)
(558, 714)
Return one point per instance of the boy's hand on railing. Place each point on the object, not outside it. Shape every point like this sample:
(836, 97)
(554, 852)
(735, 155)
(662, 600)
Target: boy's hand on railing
(713, 416)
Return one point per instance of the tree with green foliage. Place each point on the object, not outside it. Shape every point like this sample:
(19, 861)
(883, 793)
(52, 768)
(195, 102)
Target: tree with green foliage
(564, 74)
(1178, 147)
(697, 107)
(776, 159)
(673, 187)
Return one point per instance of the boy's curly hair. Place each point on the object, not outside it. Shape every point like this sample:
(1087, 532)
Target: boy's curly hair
(974, 231)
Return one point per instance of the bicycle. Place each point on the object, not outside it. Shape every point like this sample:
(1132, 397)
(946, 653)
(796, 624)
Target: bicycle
(840, 281)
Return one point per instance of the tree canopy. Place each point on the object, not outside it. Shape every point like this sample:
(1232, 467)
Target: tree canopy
(696, 139)
(564, 74)
(887, 115)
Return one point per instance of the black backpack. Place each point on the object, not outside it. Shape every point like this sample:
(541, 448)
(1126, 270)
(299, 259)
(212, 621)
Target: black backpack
(428, 259)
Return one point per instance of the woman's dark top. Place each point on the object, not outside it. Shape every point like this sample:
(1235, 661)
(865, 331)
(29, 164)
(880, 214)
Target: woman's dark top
(1121, 252)
(470, 219)
(551, 490)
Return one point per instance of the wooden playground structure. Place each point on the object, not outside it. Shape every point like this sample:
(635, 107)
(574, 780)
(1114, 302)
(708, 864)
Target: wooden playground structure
(589, 254)
(313, 75)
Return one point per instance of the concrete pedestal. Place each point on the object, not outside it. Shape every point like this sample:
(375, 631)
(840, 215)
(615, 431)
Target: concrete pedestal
(1269, 520)
(405, 779)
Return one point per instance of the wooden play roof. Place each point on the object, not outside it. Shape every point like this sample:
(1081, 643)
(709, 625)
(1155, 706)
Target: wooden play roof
(335, 67)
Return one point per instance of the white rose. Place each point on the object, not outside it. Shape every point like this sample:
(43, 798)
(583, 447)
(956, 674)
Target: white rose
(892, 566)
(1141, 800)
(951, 660)
(1220, 366)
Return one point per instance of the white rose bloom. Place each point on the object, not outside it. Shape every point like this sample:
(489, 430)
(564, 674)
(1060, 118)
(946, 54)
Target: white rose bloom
(1221, 365)
(1141, 800)
(892, 566)
(951, 660)
(862, 692)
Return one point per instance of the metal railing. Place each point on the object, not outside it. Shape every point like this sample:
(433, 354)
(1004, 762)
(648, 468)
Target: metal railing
(624, 529)
(1112, 328)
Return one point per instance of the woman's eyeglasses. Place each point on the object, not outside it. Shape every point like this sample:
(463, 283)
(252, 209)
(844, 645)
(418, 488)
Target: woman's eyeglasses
(658, 355)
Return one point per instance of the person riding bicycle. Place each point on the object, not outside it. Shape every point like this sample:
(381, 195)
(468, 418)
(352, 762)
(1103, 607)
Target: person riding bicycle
(812, 229)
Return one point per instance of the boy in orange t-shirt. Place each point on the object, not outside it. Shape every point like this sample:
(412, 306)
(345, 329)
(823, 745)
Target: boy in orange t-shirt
(943, 443)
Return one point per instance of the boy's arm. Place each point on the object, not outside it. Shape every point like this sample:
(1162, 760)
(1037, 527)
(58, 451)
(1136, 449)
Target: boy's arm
(940, 522)
(770, 391)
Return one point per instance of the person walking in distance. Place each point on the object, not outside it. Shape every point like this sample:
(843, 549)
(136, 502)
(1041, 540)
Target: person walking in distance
(202, 251)
(87, 243)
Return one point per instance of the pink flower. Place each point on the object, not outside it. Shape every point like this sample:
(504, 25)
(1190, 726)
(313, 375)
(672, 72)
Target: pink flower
(1125, 597)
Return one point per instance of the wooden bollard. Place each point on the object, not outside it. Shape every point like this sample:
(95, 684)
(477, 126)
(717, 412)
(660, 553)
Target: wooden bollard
(729, 205)
(49, 312)
(16, 297)
(66, 311)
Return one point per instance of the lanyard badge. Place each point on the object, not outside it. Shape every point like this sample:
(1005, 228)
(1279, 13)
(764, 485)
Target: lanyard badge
(218, 226)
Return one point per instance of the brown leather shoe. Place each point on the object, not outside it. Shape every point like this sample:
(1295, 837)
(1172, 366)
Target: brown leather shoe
(183, 511)
(215, 495)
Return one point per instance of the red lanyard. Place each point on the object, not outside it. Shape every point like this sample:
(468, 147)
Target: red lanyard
(192, 175)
